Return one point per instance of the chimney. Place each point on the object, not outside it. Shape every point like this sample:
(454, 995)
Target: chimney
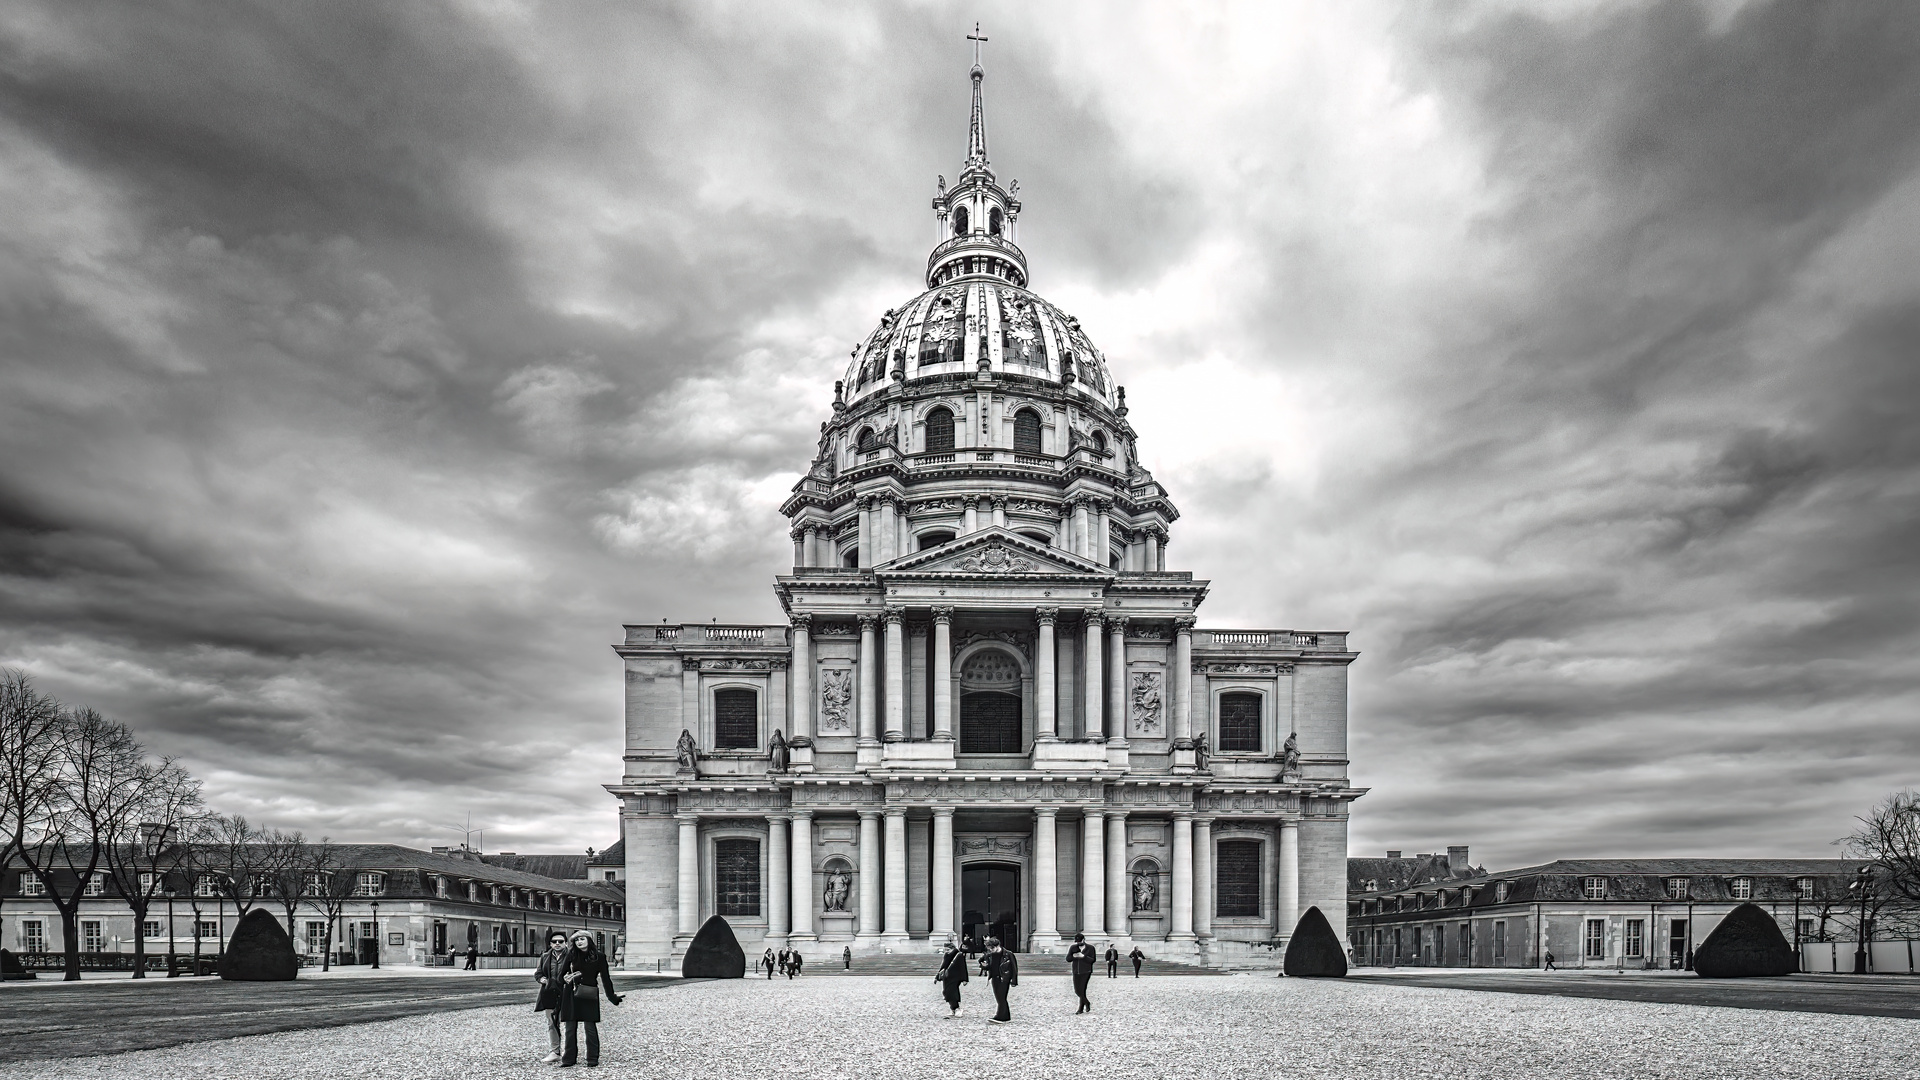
(1457, 859)
(439, 851)
(1393, 854)
(508, 853)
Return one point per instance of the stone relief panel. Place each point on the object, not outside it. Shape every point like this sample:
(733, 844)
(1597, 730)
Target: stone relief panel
(994, 559)
(738, 801)
(836, 700)
(1019, 639)
(1271, 802)
(829, 796)
(1015, 846)
(736, 665)
(1146, 716)
(1242, 668)
(989, 791)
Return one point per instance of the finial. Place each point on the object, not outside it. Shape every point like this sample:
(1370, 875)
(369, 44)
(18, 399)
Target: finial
(1122, 410)
(977, 129)
(976, 37)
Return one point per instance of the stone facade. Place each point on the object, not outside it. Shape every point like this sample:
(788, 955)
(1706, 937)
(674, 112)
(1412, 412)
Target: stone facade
(991, 709)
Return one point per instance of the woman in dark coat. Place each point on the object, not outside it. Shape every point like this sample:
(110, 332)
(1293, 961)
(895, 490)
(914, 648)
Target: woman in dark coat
(549, 973)
(582, 974)
(953, 972)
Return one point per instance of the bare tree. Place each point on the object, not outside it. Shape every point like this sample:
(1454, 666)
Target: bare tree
(1889, 837)
(99, 765)
(327, 883)
(283, 870)
(151, 841)
(235, 857)
(32, 731)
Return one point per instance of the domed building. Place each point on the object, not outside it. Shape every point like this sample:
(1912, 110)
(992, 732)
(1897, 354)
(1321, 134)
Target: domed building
(991, 711)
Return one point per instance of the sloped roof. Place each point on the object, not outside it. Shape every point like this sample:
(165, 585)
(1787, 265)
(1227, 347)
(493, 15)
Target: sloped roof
(559, 867)
(615, 855)
(1394, 875)
(394, 857)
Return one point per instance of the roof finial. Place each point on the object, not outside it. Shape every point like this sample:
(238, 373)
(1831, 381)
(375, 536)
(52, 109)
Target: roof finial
(977, 129)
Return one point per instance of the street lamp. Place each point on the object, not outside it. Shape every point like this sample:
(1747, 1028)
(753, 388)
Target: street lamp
(1862, 884)
(173, 968)
(376, 935)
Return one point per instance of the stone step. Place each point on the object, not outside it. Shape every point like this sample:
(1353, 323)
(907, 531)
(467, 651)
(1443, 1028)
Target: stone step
(925, 965)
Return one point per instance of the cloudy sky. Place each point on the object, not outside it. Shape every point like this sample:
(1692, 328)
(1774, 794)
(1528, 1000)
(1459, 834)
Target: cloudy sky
(364, 367)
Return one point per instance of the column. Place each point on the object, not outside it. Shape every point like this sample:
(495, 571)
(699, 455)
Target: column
(800, 678)
(689, 884)
(869, 688)
(1000, 511)
(1102, 541)
(802, 882)
(811, 549)
(1203, 878)
(1289, 891)
(943, 674)
(1046, 882)
(896, 873)
(1152, 561)
(867, 546)
(886, 531)
(779, 884)
(903, 536)
(1045, 723)
(1119, 893)
(1117, 682)
(1093, 858)
(940, 879)
(1183, 678)
(970, 519)
(1079, 546)
(1096, 687)
(896, 674)
(869, 875)
(1182, 878)
(799, 546)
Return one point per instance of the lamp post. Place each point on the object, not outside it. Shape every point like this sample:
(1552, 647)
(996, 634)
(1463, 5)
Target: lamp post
(376, 935)
(173, 969)
(1862, 884)
(196, 933)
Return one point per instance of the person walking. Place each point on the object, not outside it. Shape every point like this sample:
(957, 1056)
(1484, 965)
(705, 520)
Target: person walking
(798, 963)
(953, 972)
(1080, 960)
(786, 961)
(1136, 956)
(766, 961)
(549, 974)
(473, 956)
(846, 954)
(1550, 966)
(1113, 961)
(583, 972)
(1003, 972)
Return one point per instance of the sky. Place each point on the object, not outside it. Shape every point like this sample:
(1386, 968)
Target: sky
(363, 367)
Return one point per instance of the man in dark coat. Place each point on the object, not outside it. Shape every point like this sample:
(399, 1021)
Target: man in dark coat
(1113, 962)
(582, 974)
(953, 972)
(1136, 956)
(1080, 959)
(473, 956)
(1003, 971)
(550, 973)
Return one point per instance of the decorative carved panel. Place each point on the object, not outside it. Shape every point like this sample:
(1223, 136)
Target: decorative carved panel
(836, 699)
(1146, 715)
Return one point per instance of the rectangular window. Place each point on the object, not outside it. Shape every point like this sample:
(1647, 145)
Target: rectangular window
(1500, 942)
(1594, 888)
(1466, 943)
(736, 719)
(33, 936)
(1500, 892)
(371, 883)
(1596, 939)
(146, 884)
(440, 887)
(93, 937)
(1237, 879)
(207, 885)
(1804, 886)
(736, 877)
(1676, 888)
(1742, 888)
(31, 885)
(1636, 943)
(315, 884)
(96, 886)
(1240, 723)
(1806, 929)
(316, 936)
(153, 928)
(206, 930)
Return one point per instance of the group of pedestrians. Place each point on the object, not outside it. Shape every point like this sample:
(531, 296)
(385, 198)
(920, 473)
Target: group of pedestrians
(1002, 970)
(787, 962)
(571, 974)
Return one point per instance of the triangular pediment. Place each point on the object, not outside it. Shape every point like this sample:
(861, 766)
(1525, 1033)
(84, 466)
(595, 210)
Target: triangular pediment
(996, 551)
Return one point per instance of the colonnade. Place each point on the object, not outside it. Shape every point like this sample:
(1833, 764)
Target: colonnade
(1086, 527)
(881, 906)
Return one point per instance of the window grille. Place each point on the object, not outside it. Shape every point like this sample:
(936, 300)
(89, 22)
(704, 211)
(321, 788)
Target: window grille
(207, 885)
(1237, 879)
(736, 719)
(736, 872)
(1240, 722)
(96, 885)
(1676, 888)
(152, 928)
(1026, 432)
(1594, 888)
(1742, 888)
(866, 441)
(940, 432)
(1804, 887)
(93, 936)
(33, 936)
(371, 883)
(1596, 939)
(31, 885)
(1635, 946)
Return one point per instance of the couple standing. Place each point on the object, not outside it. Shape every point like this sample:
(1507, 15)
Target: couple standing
(571, 974)
(998, 965)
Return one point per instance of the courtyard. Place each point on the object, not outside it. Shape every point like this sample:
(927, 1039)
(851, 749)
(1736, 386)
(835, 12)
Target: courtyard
(1173, 1026)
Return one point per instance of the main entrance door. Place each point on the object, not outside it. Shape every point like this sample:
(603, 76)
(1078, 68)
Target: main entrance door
(990, 905)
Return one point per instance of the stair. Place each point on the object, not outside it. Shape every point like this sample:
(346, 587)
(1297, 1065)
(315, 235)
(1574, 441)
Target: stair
(924, 965)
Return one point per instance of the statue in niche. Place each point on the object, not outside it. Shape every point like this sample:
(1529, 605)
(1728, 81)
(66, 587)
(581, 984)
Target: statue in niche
(685, 751)
(1200, 751)
(777, 756)
(1290, 756)
(1146, 891)
(839, 888)
(836, 698)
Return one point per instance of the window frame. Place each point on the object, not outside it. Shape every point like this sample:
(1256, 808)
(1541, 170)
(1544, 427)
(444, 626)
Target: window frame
(1593, 887)
(729, 897)
(33, 935)
(1803, 887)
(1241, 846)
(1220, 702)
(1593, 939)
(1633, 941)
(1676, 888)
(1038, 443)
(152, 928)
(32, 884)
(93, 935)
(1740, 888)
(928, 429)
(730, 692)
(370, 883)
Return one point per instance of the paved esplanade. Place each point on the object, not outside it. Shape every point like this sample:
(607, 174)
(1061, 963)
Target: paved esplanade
(1180, 1026)
(1892, 995)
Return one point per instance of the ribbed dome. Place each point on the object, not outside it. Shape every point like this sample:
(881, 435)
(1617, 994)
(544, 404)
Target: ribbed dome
(944, 330)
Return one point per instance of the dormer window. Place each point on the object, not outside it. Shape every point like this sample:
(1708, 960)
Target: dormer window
(1500, 892)
(1594, 888)
(1676, 888)
(1742, 888)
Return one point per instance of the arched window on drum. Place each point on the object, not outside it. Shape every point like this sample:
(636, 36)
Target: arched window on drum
(1026, 432)
(940, 431)
(866, 441)
(959, 221)
(996, 222)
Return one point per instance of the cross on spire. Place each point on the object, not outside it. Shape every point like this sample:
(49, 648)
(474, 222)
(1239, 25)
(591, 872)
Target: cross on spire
(976, 37)
(977, 125)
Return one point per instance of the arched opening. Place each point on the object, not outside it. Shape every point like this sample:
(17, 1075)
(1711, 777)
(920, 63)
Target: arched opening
(850, 558)
(933, 539)
(736, 719)
(1100, 441)
(940, 431)
(990, 713)
(1026, 432)
(865, 441)
(1240, 722)
(990, 904)
(996, 221)
(960, 221)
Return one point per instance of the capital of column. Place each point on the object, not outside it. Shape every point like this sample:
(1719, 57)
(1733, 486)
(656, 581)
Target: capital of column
(1204, 819)
(1046, 616)
(1185, 815)
(871, 813)
(780, 815)
(943, 615)
(815, 528)
(1117, 815)
(940, 811)
(1046, 811)
(797, 534)
(800, 622)
(896, 615)
(895, 811)
(864, 502)
(800, 815)
(1185, 624)
(868, 623)
(690, 663)
(687, 817)
(1115, 623)
(999, 502)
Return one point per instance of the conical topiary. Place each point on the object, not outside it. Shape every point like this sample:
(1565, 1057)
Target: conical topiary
(1314, 951)
(259, 950)
(1747, 943)
(714, 953)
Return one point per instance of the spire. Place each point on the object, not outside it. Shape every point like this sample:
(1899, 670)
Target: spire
(977, 126)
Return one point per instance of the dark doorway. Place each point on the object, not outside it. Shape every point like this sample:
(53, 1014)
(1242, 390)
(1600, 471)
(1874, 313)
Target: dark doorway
(1677, 944)
(989, 723)
(990, 905)
(439, 938)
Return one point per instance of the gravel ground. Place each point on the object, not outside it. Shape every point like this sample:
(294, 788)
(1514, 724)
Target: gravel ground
(1167, 1027)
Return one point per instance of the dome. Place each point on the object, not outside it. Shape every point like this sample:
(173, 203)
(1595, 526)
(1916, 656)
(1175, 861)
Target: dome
(946, 330)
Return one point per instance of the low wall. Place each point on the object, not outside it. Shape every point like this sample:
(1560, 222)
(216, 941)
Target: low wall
(1900, 957)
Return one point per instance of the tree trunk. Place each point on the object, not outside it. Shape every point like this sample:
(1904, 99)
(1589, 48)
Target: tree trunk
(139, 941)
(326, 957)
(70, 930)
